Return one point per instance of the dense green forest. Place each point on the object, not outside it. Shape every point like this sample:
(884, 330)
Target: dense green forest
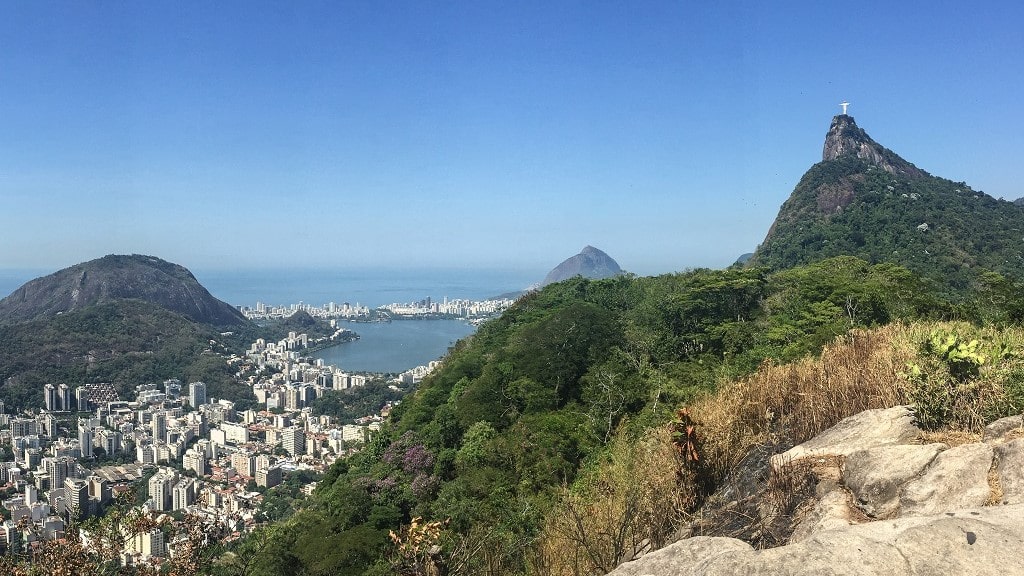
(940, 229)
(482, 453)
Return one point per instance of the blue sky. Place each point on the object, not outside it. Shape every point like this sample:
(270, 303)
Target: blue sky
(471, 134)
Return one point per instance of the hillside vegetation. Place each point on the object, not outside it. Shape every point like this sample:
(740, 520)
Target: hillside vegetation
(940, 229)
(126, 342)
(526, 419)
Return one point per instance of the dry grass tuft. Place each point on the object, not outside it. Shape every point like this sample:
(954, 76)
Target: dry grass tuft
(634, 501)
(800, 400)
(627, 506)
(951, 438)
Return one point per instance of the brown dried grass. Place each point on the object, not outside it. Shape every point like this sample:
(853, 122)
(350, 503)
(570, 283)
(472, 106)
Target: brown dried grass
(950, 438)
(799, 400)
(627, 506)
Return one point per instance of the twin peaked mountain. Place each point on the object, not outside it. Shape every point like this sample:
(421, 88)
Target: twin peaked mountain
(863, 200)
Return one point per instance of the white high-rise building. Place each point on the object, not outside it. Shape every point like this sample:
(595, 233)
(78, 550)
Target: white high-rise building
(50, 397)
(64, 399)
(161, 486)
(158, 427)
(109, 440)
(145, 454)
(196, 394)
(183, 494)
(294, 441)
(85, 440)
(146, 544)
(244, 464)
(195, 461)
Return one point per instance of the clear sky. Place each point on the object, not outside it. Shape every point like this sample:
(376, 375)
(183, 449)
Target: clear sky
(334, 134)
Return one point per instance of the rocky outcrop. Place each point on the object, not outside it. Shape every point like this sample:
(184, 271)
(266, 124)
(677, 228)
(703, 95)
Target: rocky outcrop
(868, 429)
(589, 263)
(892, 505)
(972, 542)
(113, 278)
(845, 138)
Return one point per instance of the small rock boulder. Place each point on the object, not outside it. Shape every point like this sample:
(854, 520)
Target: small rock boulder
(1004, 429)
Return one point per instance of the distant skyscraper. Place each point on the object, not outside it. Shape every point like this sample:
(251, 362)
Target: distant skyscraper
(161, 485)
(194, 460)
(183, 494)
(196, 394)
(294, 441)
(82, 399)
(50, 397)
(64, 398)
(110, 440)
(85, 440)
(158, 427)
(244, 464)
(59, 469)
(76, 498)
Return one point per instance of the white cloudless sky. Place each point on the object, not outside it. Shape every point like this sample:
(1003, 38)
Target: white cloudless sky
(462, 134)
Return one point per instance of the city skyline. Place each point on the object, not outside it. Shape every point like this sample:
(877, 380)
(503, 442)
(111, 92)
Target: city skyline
(471, 134)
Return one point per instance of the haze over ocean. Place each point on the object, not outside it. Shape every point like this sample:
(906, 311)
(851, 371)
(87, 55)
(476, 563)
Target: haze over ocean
(368, 286)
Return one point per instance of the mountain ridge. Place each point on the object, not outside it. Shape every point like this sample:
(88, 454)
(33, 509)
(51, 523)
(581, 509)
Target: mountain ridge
(846, 138)
(119, 277)
(864, 200)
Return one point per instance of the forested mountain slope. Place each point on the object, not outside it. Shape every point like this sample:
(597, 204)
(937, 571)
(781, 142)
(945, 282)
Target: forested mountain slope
(864, 200)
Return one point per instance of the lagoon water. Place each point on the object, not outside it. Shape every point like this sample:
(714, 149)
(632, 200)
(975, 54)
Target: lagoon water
(396, 346)
(382, 347)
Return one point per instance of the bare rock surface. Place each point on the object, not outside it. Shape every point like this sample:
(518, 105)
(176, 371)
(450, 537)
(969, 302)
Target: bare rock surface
(875, 475)
(973, 542)
(882, 504)
(1011, 471)
(862, 431)
(832, 511)
(1004, 429)
(958, 478)
(691, 551)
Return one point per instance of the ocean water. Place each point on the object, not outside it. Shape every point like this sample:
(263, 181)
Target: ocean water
(11, 279)
(367, 286)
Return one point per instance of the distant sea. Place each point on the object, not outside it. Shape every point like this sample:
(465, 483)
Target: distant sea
(392, 347)
(367, 286)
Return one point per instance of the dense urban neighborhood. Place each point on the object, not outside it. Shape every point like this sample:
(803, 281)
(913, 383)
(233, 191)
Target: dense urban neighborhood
(174, 451)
